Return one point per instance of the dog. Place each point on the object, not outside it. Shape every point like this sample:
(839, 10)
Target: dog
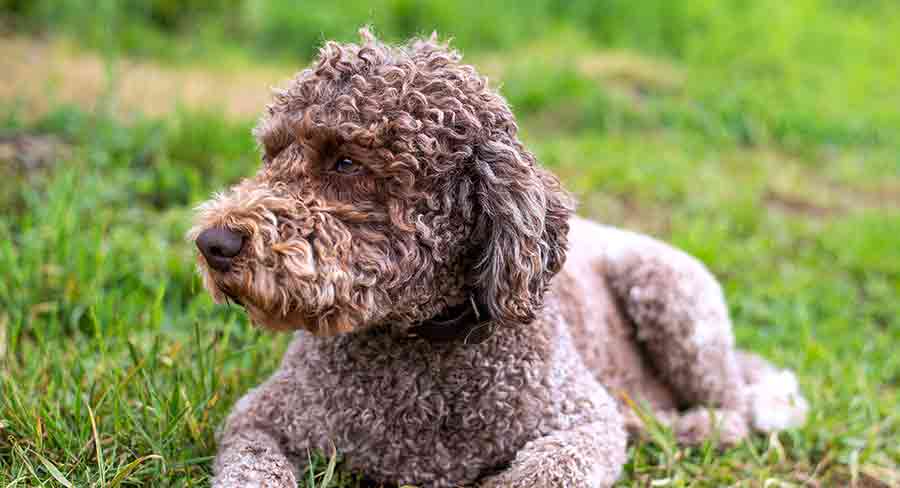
(456, 324)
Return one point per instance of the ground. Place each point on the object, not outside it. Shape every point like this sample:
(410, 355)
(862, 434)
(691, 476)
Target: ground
(768, 147)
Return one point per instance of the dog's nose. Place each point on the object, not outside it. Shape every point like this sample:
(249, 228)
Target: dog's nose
(219, 245)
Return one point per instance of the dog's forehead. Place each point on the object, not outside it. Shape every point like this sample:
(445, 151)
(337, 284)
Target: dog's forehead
(349, 78)
(352, 86)
(416, 104)
(320, 110)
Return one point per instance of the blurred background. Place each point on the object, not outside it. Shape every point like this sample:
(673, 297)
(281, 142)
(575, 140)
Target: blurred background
(761, 136)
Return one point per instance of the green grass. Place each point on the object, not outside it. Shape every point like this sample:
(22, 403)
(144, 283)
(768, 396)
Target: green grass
(763, 137)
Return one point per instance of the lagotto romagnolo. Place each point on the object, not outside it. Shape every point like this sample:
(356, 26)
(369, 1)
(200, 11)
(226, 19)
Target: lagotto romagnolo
(456, 324)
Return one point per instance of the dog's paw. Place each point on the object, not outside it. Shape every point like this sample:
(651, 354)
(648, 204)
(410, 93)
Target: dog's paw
(555, 461)
(528, 475)
(251, 478)
(701, 424)
(776, 403)
(255, 468)
(535, 475)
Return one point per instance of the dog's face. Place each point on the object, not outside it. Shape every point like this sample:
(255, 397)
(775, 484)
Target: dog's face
(393, 186)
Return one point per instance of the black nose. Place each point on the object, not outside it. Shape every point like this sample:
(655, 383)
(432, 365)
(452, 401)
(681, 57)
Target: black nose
(219, 245)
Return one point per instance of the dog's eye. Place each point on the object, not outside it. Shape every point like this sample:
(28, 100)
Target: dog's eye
(346, 166)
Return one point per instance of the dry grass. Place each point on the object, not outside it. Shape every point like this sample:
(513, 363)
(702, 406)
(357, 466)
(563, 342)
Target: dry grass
(41, 74)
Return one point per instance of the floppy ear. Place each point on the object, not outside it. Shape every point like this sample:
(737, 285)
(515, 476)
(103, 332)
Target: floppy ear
(522, 229)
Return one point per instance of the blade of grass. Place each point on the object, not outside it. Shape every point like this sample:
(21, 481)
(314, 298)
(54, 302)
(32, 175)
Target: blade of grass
(329, 471)
(312, 480)
(54, 471)
(128, 469)
(15, 482)
(97, 447)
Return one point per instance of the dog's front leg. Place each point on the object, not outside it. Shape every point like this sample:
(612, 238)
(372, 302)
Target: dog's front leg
(252, 458)
(265, 427)
(590, 455)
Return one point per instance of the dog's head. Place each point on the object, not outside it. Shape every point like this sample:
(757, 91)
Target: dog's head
(393, 187)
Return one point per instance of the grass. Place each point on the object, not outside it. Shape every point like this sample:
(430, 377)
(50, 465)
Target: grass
(762, 137)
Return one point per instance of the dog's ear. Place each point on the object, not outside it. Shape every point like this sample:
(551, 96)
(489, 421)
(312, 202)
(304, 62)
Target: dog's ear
(521, 230)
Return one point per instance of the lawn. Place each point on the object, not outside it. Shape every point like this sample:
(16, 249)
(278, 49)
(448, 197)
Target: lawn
(762, 137)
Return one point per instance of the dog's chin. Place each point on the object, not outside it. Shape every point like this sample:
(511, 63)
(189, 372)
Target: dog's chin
(270, 315)
(259, 317)
(276, 321)
(294, 321)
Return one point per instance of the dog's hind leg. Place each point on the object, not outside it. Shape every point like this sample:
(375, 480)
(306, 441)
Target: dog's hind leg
(682, 322)
(695, 426)
(774, 403)
(679, 312)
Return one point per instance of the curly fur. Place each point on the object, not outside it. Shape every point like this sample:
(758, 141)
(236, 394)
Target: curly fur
(446, 207)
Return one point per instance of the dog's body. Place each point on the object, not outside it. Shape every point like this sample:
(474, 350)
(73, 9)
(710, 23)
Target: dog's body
(405, 409)
(565, 353)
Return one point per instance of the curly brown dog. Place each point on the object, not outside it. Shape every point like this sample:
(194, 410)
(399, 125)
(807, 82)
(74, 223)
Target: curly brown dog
(457, 324)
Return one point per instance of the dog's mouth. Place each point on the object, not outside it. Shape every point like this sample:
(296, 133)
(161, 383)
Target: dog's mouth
(263, 318)
(233, 298)
(279, 319)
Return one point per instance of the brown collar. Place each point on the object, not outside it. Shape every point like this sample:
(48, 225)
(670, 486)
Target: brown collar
(469, 321)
